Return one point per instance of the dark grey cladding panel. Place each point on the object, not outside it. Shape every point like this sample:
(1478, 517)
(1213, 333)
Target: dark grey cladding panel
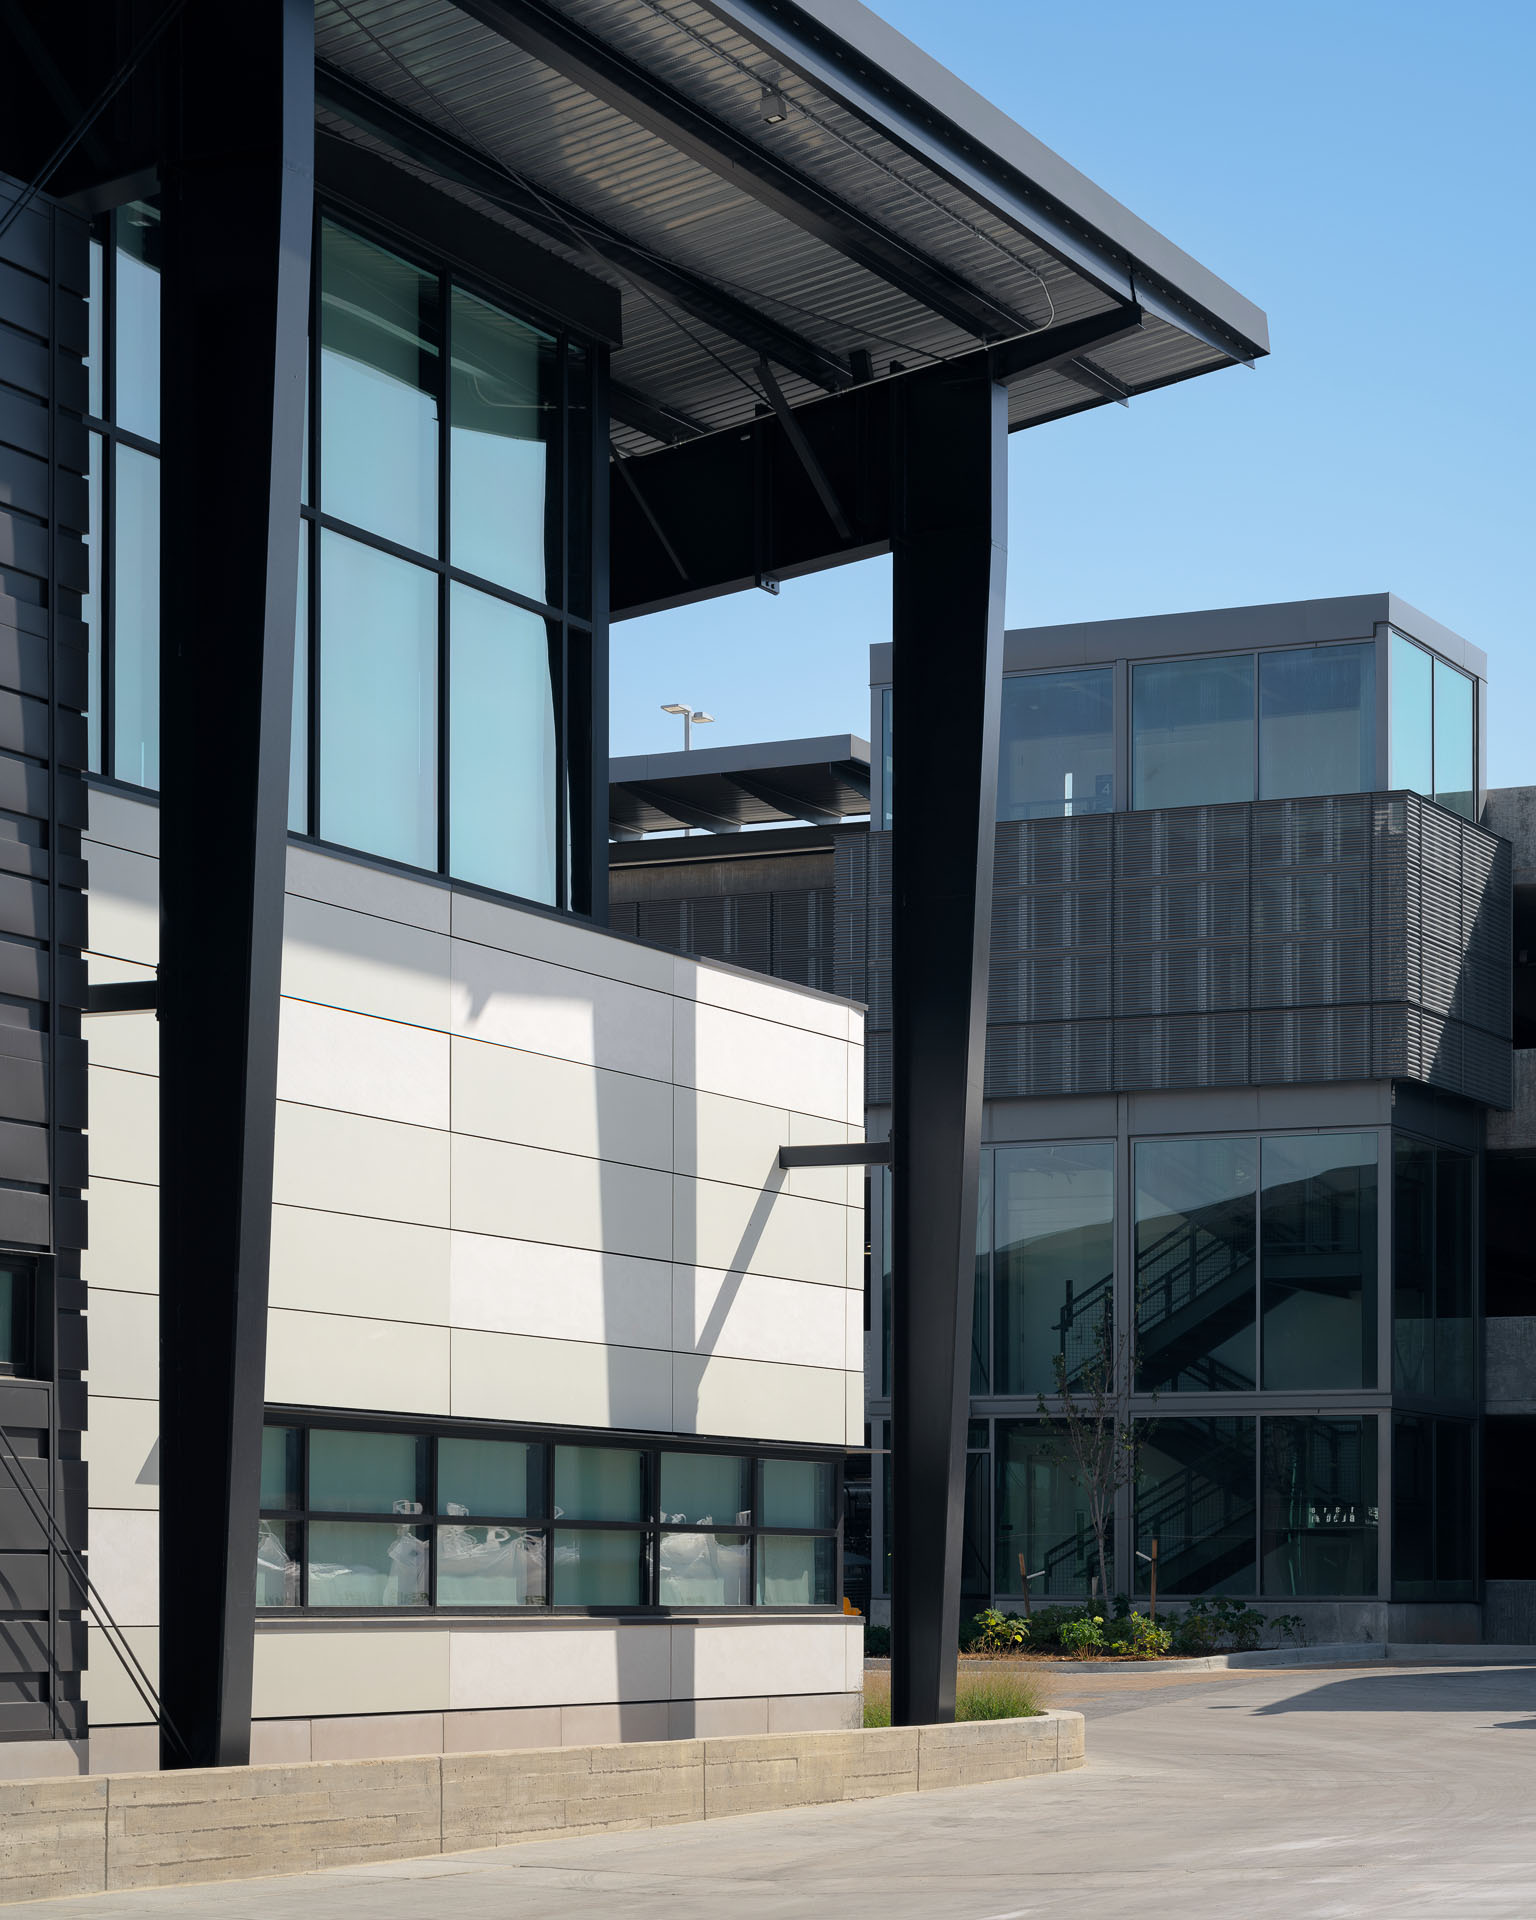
(1355, 937)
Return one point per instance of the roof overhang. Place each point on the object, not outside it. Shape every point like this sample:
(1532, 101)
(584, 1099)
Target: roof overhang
(723, 789)
(789, 190)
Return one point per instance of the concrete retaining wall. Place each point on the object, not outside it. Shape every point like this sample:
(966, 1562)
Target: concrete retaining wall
(115, 1831)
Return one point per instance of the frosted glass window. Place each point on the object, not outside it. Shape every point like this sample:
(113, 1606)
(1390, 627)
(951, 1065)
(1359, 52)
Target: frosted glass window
(298, 742)
(366, 1472)
(1454, 779)
(795, 1570)
(1410, 718)
(503, 759)
(504, 403)
(704, 1489)
(282, 1458)
(599, 1483)
(490, 1567)
(797, 1493)
(367, 1564)
(1317, 721)
(704, 1570)
(380, 374)
(490, 1476)
(1192, 733)
(1057, 749)
(136, 622)
(378, 703)
(598, 1568)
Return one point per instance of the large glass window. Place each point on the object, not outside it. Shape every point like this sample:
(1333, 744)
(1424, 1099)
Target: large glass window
(1319, 1506)
(444, 554)
(16, 1287)
(1195, 1491)
(1195, 1238)
(1433, 727)
(1057, 751)
(355, 1517)
(1433, 1527)
(1054, 1260)
(1045, 1541)
(1192, 731)
(1317, 721)
(1317, 1254)
(1433, 1270)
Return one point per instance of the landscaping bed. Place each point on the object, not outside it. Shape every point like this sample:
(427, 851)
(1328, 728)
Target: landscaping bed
(1048, 1635)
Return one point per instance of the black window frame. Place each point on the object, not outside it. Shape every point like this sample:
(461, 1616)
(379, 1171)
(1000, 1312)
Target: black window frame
(650, 1527)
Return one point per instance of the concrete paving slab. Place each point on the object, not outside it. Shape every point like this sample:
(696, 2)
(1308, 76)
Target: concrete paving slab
(1327, 1793)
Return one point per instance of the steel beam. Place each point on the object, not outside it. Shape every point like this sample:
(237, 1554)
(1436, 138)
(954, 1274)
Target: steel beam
(237, 209)
(754, 170)
(414, 139)
(781, 802)
(681, 811)
(948, 563)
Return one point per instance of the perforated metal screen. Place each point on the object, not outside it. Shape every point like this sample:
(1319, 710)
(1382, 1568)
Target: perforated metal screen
(1353, 937)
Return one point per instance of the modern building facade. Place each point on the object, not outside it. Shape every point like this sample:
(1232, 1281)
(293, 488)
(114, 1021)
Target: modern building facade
(1249, 1021)
(464, 1365)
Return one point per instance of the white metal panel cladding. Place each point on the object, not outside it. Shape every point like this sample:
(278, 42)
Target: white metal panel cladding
(1353, 937)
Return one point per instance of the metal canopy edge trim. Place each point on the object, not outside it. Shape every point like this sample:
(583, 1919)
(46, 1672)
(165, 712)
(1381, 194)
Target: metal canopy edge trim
(931, 112)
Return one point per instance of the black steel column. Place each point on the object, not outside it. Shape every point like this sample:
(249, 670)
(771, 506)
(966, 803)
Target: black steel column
(238, 203)
(950, 551)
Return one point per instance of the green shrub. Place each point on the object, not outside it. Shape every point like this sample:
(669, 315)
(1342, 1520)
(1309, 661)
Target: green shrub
(1046, 1623)
(877, 1643)
(1083, 1638)
(1146, 1639)
(1291, 1627)
(993, 1632)
(1218, 1625)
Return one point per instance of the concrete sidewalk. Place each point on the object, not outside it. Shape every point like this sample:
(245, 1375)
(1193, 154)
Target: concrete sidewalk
(1329, 1794)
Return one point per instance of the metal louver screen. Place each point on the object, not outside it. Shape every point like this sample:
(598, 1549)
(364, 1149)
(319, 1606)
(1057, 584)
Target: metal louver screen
(786, 933)
(1353, 937)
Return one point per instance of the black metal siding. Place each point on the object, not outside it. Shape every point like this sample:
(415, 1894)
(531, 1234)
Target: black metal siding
(1353, 937)
(44, 279)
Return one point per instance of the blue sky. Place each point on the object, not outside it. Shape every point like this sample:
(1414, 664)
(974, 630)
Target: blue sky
(1366, 172)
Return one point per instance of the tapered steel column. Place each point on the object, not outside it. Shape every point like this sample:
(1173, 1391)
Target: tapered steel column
(237, 207)
(950, 550)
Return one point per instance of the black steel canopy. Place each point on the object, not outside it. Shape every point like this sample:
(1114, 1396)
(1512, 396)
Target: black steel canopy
(789, 191)
(723, 789)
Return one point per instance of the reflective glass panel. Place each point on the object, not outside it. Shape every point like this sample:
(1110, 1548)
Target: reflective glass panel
(1053, 1261)
(1454, 780)
(704, 1489)
(278, 1546)
(366, 1472)
(490, 1567)
(282, 1468)
(136, 619)
(1410, 756)
(1192, 731)
(362, 1563)
(598, 1568)
(298, 743)
(91, 607)
(1319, 1506)
(503, 1477)
(981, 1304)
(1413, 1265)
(705, 1570)
(795, 1570)
(136, 366)
(1317, 1252)
(1057, 750)
(1413, 1507)
(887, 764)
(1195, 1497)
(1455, 1283)
(9, 1354)
(504, 414)
(578, 480)
(503, 763)
(380, 375)
(1195, 1264)
(1044, 1531)
(599, 1483)
(378, 703)
(1317, 721)
(976, 1531)
(93, 359)
(797, 1493)
(1455, 1566)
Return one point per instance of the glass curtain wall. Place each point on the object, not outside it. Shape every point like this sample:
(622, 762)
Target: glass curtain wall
(1045, 1541)
(1433, 728)
(444, 564)
(1434, 1267)
(1053, 1263)
(1434, 1538)
(1056, 754)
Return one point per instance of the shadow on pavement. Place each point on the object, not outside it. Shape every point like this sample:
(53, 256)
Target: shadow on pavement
(1455, 1692)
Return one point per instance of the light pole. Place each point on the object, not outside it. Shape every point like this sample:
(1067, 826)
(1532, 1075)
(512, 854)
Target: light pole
(691, 719)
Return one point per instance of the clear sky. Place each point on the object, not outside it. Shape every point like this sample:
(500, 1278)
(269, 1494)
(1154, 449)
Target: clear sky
(1364, 170)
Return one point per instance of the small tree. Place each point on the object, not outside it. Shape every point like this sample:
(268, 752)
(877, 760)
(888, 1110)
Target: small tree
(1092, 1431)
